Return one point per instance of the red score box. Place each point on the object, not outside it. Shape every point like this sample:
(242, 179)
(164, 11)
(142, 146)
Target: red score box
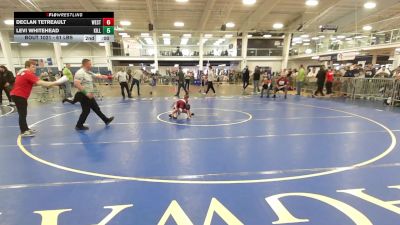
(108, 21)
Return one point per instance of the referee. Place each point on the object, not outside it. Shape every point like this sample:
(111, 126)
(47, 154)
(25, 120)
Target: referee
(84, 83)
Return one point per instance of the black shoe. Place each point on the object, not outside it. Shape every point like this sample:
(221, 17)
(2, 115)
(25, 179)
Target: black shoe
(81, 128)
(170, 115)
(192, 114)
(109, 121)
(63, 101)
(175, 118)
(274, 96)
(285, 97)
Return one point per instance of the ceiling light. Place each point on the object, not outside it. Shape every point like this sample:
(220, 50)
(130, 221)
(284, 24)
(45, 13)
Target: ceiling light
(267, 36)
(306, 40)
(123, 34)
(315, 38)
(125, 23)
(333, 38)
(126, 36)
(64, 44)
(249, 35)
(349, 39)
(321, 36)
(187, 35)
(305, 36)
(9, 22)
(24, 44)
(277, 26)
(221, 39)
(370, 5)
(312, 2)
(208, 35)
(306, 44)
(358, 37)
(179, 24)
(367, 27)
(309, 51)
(230, 25)
(341, 37)
(249, 2)
(166, 35)
(182, 1)
(102, 44)
(228, 35)
(145, 35)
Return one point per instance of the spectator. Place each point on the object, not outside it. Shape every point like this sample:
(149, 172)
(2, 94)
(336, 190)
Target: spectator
(256, 80)
(137, 76)
(245, 78)
(383, 72)
(210, 80)
(348, 73)
(312, 73)
(370, 71)
(181, 82)
(321, 76)
(7, 81)
(187, 80)
(329, 81)
(67, 86)
(300, 78)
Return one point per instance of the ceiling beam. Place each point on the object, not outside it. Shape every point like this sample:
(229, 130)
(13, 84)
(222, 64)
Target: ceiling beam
(150, 11)
(309, 18)
(88, 5)
(372, 16)
(229, 11)
(351, 21)
(258, 15)
(206, 14)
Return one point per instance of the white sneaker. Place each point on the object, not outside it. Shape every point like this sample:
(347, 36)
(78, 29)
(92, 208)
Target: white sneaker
(28, 133)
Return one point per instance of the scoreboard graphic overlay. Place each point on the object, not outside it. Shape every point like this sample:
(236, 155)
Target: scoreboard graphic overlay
(64, 26)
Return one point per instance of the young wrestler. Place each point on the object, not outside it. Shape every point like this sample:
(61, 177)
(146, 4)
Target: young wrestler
(266, 85)
(281, 85)
(181, 106)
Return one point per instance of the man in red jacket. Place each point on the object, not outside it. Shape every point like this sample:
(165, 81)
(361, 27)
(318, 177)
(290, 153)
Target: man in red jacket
(24, 82)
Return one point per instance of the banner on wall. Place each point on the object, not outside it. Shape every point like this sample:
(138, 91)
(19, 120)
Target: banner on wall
(346, 56)
(43, 62)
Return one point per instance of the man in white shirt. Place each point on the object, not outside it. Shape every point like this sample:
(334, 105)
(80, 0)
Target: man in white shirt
(122, 77)
(385, 71)
(210, 80)
(137, 76)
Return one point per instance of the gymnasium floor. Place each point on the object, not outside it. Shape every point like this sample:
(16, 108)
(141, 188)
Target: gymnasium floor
(240, 160)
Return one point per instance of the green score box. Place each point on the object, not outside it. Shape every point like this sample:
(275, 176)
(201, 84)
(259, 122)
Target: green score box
(108, 30)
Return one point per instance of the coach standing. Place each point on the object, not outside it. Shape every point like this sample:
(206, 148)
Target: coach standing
(24, 82)
(84, 83)
(7, 80)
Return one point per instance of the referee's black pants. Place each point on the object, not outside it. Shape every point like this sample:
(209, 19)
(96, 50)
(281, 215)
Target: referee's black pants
(88, 104)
